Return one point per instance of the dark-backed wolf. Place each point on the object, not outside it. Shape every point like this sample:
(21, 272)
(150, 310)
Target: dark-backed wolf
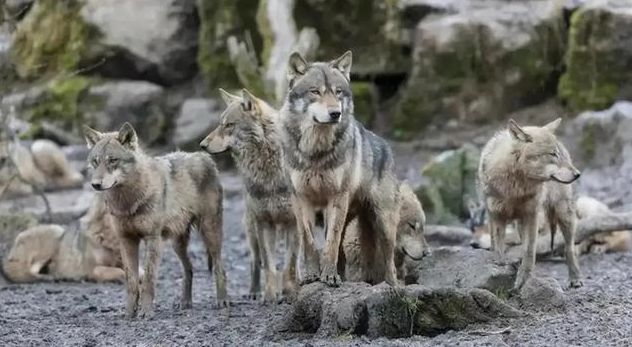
(248, 129)
(522, 171)
(153, 198)
(335, 165)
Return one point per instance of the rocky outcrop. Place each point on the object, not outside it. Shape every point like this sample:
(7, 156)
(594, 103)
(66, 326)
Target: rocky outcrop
(481, 62)
(599, 56)
(197, 118)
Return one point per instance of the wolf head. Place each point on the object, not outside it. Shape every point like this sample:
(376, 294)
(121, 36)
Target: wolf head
(320, 91)
(410, 230)
(31, 250)
(477, 223)
(112, 155)
(540, 155)
(243, 117)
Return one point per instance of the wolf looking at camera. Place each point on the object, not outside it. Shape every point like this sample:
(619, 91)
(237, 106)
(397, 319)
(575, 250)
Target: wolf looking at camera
(335, 165)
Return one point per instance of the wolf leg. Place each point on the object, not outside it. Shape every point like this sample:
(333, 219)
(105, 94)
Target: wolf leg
(568, 226)
(267, 248)
(530, 225)
(255, 257)
(107, 274)
(290, 273)
(153, 245)
(180, 244)
(386, 229)
(305, 215)
(129, 256)
(497, 230)
(335, 217)
(212, 235)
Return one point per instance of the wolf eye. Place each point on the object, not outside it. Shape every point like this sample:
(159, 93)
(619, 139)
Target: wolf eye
(315, 91)
(229, 125)
(413, 225)
(554, 154)
(338, 91)
(112, 161)
(94, 162)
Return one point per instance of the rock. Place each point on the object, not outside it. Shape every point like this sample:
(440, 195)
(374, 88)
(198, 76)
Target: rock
(481, 62)
(602, 147)
(450, 181)
(197, 118)
(373, 37)
(599, 55)
(462, 267)
(67, 206)
(361, 309)
(163, 44)
(65, 104)
(542, 294)
(365, 101)
(12, 224)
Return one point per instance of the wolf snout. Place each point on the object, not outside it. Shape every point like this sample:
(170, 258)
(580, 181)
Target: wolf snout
(335, 115)
(97, 186)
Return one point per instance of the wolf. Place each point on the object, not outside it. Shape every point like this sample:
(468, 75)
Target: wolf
(153, 198)
(411, 245)
(522, 170)
(248, 128)
(336, 166)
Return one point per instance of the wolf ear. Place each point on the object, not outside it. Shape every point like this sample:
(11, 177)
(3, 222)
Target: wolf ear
(517, 133)
(297, 67)
(227, 97)
(552, 127)
(92, 136)
(343, 64)
(127, 136)
(248, 102)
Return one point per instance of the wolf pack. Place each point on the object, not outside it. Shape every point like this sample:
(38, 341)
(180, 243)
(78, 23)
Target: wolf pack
(310, 167)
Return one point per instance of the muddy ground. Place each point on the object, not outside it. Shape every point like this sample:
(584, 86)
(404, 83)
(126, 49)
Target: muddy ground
(90, 314)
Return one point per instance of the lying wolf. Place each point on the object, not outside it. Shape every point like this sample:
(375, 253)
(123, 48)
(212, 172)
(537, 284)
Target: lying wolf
(521, 171)
(153, 198)
(49, 252)
(411, 243)
(335, 165)
(248, 129)
(614, 241)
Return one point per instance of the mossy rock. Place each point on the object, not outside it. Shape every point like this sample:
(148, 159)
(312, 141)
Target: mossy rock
(598, 60)
(369, 28)
(52, 39)
(220, 19)
(12, 224)
(364, 102)
(450, 182)
(481, 63)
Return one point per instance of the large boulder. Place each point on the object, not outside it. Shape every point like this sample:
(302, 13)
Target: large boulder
(381, 310)
(68, 103)
(449, 181)
(197, 118)
(154, 40)
(481, 62)
(599, 56)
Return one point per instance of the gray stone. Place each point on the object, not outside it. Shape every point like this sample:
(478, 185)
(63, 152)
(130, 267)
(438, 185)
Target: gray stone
(67, 206)
(542, 294)
(197, 118)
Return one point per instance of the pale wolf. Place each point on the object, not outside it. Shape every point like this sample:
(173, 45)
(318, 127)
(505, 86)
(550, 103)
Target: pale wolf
(614, 241)
(50, 252)
(521, 171)
(248, 129)
(335, 165)
(152, 198)
(410, 246)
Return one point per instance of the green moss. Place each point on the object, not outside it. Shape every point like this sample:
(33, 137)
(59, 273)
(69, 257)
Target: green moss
(588, 142)
(364, 102)
(220, 19)
(51, 39)
(267, 36)
(595, 69)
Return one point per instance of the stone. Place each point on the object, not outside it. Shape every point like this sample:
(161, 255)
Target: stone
(542, 294)
(481, 62)
(196, 119)
(67, 206)
(599, 56)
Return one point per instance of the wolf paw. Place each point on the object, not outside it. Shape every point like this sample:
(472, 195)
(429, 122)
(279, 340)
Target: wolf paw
(146, 313)
(251, 296)
(271, 299)
(576, 283)
(331, 279)
(309, 278)
(183, 305)
(222, 303)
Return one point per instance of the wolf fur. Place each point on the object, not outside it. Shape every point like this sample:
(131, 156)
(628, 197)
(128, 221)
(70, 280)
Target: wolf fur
(410, 246)
(521, 171)
(248, 129)
(154, 198)
(50, 252)
(335, 165)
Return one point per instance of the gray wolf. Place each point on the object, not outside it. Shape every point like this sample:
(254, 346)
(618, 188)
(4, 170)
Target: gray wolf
(336, 166)
(155, 198)
(410, 246)
(521, 171)
(248, 129)
(50, 252)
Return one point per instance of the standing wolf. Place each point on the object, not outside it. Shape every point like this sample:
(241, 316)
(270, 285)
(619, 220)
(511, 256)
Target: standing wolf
(154, 198)
(335, 165)
(248, 129)
(521, 171)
